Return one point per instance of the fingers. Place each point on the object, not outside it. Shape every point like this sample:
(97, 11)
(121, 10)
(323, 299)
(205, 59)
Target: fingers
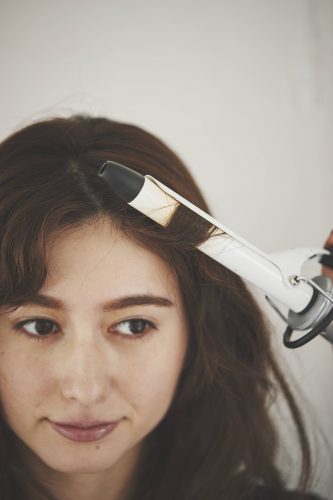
(327, 260)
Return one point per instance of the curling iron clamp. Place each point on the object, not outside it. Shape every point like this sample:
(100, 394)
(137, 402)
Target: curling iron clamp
(310, 301)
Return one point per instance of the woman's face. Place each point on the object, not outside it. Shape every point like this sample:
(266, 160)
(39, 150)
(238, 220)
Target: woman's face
(108, 345)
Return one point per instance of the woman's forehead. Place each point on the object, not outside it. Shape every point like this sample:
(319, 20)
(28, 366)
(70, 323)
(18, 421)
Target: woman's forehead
(101, 255)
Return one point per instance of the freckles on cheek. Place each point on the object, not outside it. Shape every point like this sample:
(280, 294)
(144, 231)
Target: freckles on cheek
(153, 379)
(23, 381)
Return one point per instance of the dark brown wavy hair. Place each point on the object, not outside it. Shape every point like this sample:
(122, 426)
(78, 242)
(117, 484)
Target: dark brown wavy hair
(217, 439)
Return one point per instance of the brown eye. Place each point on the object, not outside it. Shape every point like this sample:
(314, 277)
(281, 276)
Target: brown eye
(133, 327)
(37, 326)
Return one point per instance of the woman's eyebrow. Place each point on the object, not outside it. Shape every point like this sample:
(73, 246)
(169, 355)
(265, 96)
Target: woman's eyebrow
(136, 300)
(111, 305)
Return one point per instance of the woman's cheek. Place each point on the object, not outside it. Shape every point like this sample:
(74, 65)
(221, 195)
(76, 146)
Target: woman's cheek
(24, 381)
(151, 383)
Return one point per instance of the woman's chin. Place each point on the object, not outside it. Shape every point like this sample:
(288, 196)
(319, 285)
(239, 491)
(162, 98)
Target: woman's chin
(79, 464)
(88, 460)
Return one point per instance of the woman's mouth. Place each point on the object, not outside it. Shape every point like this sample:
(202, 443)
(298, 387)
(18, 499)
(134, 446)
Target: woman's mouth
(83, 431)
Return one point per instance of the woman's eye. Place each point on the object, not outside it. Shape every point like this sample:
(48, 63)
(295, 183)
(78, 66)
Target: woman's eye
(42, 329)
(133, 327)
(37, 327)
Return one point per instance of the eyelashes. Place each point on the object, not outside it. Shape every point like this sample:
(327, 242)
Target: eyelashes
(42, 330)
(137, 326)
(135, 329)
(41, 335)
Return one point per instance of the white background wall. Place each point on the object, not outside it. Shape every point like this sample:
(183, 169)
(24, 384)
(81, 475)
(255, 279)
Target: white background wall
(241, 89)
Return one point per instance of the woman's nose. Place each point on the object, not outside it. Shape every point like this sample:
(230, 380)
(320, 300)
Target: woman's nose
(85, 372)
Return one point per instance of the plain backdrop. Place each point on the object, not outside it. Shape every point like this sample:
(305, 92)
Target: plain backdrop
(242, 90)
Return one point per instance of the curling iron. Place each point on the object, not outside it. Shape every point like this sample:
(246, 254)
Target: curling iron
(310, 301)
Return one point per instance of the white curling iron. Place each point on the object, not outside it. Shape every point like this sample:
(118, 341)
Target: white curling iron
(310, 301)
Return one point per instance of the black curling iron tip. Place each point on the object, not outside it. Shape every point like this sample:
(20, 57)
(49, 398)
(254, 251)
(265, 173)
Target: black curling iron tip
(123, 181)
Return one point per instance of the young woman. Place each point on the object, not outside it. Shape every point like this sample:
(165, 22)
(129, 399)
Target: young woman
(132, 366)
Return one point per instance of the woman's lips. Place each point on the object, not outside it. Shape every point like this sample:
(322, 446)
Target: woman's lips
(82, 431)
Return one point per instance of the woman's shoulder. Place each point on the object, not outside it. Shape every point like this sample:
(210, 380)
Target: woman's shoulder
(267, 493)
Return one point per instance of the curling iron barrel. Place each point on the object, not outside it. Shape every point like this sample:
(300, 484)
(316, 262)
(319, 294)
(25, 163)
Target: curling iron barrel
(277, 275)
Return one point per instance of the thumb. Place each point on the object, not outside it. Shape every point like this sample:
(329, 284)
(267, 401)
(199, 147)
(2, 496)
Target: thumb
(327, 260)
